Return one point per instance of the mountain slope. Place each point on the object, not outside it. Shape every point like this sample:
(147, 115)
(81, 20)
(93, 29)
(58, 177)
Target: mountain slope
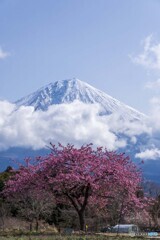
(66, 91)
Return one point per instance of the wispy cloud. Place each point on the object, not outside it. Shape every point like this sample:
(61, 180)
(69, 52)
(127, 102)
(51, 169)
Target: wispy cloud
(155, 114)
(4, 54)
(153, 154)
(152, 151)
(150, 56)
(150, 59)
(154, 85)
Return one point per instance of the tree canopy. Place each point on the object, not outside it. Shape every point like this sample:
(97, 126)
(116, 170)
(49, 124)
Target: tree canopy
(82, 177)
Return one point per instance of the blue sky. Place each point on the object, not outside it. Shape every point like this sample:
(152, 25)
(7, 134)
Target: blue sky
(111, 44)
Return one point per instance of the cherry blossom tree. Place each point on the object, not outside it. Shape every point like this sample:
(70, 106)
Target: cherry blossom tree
(26, 193)
(83, 177)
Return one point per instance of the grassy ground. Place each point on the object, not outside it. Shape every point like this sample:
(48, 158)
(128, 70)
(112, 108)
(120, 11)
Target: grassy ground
(58, 237)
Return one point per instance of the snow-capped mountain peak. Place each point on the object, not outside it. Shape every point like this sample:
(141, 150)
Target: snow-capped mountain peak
(66, 91)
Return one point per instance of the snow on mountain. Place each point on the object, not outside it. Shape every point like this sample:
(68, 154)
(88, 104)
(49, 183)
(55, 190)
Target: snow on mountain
(66, 91)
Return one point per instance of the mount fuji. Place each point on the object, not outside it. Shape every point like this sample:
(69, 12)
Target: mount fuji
(67, 91)
(71, 90)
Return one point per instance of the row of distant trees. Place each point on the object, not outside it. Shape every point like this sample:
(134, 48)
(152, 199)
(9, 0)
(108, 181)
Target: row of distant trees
(87, 182)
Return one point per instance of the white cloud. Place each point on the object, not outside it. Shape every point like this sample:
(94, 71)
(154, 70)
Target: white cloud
(128, 127)
(3, 54)
(133, 140)
(152, 154)
(74, 123)
(155, 114)
(150, 57)
(155, 85)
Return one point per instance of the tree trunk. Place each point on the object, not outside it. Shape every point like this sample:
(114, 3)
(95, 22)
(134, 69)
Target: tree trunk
(37, 225)
(80, 208)
(2, 219)
(81, 220)
(30, 227)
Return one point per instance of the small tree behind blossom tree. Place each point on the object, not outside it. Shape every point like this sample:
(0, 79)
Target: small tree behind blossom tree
(83, 176)
(26, 193)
